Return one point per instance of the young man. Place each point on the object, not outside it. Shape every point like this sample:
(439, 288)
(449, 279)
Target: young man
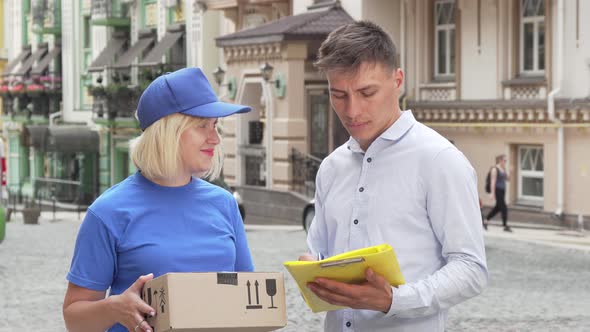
(395, 181)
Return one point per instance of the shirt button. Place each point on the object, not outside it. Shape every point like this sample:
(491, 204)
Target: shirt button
(361, 189)
(348, 324)
(369, 160)
(356, 221)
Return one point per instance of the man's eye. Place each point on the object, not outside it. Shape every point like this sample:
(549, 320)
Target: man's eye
(338, 96)
(368, 93)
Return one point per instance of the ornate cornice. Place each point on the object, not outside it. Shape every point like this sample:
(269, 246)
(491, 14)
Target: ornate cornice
(260, 52)
(501, 111)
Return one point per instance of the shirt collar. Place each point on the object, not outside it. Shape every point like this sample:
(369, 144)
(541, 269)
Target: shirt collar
(399, 127)
(393, 133)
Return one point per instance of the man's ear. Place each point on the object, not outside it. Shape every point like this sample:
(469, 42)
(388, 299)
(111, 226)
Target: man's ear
(399, 77)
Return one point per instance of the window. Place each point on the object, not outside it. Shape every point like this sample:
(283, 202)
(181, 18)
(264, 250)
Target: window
(319, 122)
(14, 162)
(176, 13)
(530, 173)
(87, 33)
(149, 13)
(444, 38)
(532, 37)
(326, 132)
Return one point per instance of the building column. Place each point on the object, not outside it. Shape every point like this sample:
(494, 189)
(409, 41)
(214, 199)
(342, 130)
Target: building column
(289, 124)
(104, 168)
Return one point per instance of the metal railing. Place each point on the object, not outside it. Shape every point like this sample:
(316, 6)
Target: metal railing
(255, 170)
(116, 102)
(52, 191)
(304, 170)
(107, 8)
(255, 164)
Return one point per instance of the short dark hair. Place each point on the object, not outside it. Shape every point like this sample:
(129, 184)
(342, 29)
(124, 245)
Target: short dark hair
(352, 44)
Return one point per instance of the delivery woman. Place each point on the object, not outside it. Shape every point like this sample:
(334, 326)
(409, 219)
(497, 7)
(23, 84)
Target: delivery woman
(164, 218)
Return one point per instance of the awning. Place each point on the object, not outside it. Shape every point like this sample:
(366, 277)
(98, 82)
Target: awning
(71, 139)
(114, 47)
(143, 43)
(28, 64)
(154, 58)
(44, 63)
(26, 52)
(36, 136)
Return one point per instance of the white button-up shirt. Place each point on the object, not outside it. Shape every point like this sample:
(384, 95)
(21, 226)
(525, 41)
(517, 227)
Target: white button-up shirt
(415, 191)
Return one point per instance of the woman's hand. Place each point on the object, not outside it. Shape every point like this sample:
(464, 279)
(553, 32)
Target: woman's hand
(129, 309)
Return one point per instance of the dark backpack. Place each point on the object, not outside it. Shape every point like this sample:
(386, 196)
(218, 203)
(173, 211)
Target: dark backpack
(488, 187)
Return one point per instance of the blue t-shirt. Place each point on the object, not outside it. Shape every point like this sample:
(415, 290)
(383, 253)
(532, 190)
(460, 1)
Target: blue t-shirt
(138, 227)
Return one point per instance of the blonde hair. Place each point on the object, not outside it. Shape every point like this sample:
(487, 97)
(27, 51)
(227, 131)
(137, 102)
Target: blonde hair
(156, 152)
(499, 158)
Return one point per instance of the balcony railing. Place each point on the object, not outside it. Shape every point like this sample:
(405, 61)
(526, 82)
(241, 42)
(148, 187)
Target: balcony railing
(114, 101)
(525, 88)
(37, 96)
(110, 13)
(304, 170)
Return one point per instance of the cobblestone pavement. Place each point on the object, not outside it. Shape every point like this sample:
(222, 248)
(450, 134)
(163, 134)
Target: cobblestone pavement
(533, 287)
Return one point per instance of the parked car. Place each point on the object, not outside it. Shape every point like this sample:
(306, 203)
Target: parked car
(221, 183)
(308, 214)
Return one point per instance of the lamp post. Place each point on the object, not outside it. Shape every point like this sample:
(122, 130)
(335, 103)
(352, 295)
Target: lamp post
(219, 75)
(266, 70)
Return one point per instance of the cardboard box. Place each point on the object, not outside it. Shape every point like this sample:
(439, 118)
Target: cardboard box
(228, 301)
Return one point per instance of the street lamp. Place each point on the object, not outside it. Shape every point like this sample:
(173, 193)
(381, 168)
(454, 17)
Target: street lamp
(219, 75)
(266, 69)
(279, 82)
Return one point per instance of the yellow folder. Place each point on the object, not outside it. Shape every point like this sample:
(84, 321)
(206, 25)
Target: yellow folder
(347, 267)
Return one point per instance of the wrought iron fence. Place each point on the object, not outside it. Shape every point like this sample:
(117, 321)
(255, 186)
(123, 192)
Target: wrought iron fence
(115, 102)
(58, 191)
(255, 164)
(47, 192)
(255, 171)
(305, 168)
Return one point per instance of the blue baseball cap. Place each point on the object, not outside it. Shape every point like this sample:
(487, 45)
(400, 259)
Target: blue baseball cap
(186, 91)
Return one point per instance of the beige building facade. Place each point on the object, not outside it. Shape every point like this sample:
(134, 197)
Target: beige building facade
(516, 82)
(494, 77)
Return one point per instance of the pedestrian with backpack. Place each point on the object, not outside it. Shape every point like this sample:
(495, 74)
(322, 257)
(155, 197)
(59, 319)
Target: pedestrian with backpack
(496, 187)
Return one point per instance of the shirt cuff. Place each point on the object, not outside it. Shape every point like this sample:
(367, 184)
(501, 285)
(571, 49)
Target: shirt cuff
(402, 299)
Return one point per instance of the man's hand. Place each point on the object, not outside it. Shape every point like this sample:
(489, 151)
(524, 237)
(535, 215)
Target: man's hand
(373, 294)
(307, 257)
